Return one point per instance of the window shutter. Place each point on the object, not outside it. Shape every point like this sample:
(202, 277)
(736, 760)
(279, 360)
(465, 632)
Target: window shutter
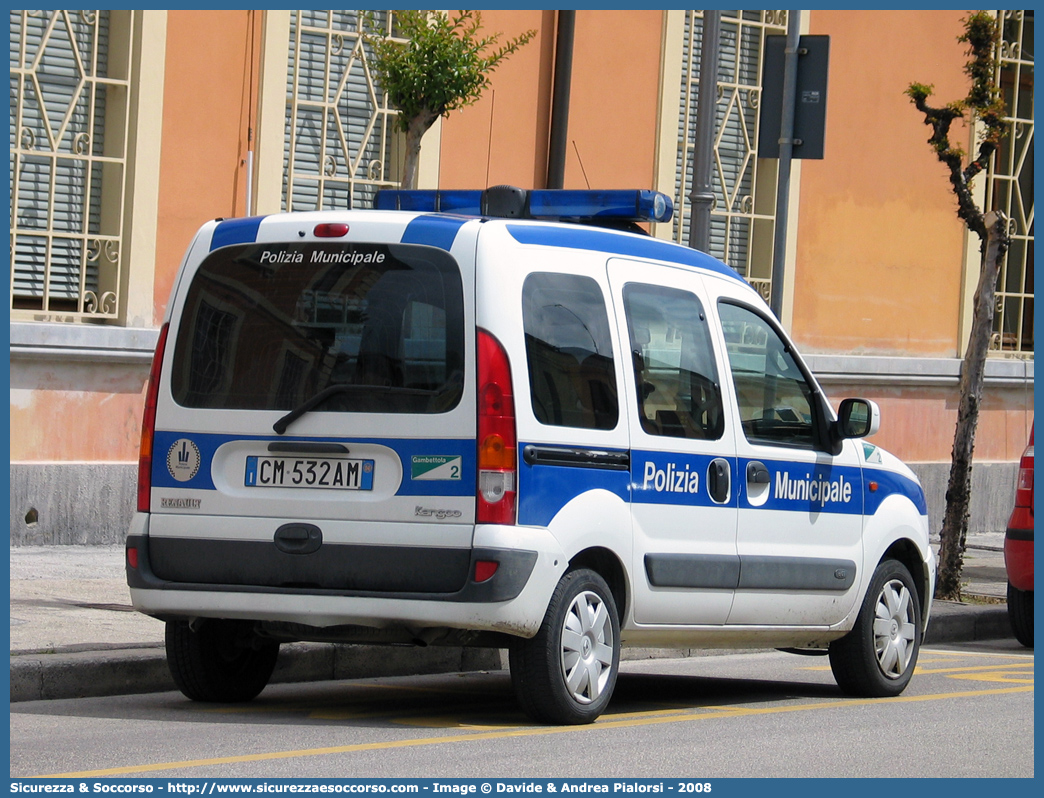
(734, 173)
(57, 131)
(339, 127)
(1010, 186)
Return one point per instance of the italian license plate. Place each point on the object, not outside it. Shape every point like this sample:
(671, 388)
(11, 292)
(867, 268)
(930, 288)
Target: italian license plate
(329, 473)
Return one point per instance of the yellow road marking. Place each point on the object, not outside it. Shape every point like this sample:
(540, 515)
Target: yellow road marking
(450, 722)
(1017, 677)
(984, 654)
(976, 668)
(672, 716)
(919, 670)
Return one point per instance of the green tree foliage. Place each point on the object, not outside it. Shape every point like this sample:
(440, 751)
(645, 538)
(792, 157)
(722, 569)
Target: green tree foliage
(434, 63)
(983, 105)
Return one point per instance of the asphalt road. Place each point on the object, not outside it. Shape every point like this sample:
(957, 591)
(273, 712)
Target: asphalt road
(967, 713)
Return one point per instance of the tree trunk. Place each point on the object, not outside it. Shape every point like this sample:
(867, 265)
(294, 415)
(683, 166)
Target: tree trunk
(953, 535)
(418, 126)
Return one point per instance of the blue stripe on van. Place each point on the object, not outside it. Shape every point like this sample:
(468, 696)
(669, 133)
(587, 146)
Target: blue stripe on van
(235, 231)
(426, 449)
(544, 490)
(674, 478)
(890, 483)
(591, 238)
(433, 230)
(805, 487)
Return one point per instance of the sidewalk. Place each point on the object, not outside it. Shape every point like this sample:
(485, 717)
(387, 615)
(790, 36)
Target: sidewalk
(74, 633)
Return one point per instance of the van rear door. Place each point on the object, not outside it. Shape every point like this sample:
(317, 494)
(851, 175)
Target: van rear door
(314, 402)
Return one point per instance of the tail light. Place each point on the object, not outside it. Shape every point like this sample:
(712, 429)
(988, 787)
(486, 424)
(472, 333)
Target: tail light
(148, 425)
(485, 570)
(1024, 486)
(497, 460)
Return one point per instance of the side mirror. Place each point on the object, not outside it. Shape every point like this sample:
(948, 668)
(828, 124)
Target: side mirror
(858, 418)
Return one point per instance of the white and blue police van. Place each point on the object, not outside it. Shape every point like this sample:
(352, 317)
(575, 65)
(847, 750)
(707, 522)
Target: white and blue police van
(507, 419)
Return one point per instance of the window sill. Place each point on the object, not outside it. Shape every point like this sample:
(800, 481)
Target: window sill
(901, 371)
(82, 343)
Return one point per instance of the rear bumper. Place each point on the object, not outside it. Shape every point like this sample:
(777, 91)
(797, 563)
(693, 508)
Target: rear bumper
(362, 571)
(512, 601)
(1018, 557)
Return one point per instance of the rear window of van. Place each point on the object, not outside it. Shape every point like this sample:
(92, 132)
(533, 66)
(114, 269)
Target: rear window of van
(270, 326)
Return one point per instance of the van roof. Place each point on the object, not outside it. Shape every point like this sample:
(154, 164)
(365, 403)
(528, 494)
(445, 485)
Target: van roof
(440, 229)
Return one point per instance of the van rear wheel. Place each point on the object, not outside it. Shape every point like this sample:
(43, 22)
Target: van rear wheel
(223, 661)
(567, 672)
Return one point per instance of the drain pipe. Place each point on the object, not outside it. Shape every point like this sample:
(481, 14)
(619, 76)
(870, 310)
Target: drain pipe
(786, 153)
(560, 99)
(701, 197)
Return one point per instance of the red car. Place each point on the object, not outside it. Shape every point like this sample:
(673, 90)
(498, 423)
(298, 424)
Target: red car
(1018, 552)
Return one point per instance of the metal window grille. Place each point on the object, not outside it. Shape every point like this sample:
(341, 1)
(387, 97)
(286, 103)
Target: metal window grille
(69, 126)
(1010, 186)
(340, 131)
(743, 213)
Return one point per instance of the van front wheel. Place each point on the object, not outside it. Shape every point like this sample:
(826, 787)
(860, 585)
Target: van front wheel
(567, 672)
(877, 658)
(222, 661)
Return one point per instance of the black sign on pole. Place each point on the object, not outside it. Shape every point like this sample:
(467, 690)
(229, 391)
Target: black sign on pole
(809, 102)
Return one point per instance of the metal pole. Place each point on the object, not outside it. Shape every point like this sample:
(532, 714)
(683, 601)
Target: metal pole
(560, 99)
(786, 151)
(701, 196)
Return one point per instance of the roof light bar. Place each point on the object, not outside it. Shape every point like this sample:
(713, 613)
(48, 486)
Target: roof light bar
(466, 202)
(510, 202)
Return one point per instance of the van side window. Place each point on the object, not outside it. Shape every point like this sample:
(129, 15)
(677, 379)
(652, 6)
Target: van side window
(775, 399)
(675, 376)
(572, 379)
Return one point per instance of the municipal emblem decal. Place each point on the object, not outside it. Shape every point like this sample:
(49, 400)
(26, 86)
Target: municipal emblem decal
(183, 460)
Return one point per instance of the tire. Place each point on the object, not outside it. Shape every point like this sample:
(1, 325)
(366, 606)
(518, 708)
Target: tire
(1020, 613)
(877, 658)
(222, 662)
(567, 672)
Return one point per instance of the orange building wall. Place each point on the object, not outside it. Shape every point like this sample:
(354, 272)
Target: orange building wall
(503, 138)
(614, 99)
(876, 217)
(917, 423)
(879, 246)
(70, 413)
(206, 105)
(78, 413)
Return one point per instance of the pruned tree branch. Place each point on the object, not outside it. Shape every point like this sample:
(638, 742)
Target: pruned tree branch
(984, 105)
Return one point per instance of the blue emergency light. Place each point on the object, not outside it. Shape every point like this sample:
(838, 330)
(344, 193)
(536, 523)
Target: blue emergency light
(517, 203)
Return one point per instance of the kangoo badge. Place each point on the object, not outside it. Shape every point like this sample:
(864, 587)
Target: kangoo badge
(183, 460)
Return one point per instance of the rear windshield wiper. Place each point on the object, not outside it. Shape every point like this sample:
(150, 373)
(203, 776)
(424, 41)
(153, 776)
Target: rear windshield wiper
(342, 387)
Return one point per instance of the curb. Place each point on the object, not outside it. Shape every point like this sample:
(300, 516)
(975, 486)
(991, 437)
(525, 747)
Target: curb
(953, 622)
(86, 674)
